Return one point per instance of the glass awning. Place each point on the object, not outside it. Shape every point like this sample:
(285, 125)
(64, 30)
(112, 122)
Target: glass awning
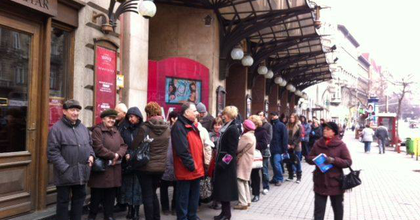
(280, 34)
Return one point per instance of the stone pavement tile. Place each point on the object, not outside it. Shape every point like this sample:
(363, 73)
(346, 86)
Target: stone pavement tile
(390, 190)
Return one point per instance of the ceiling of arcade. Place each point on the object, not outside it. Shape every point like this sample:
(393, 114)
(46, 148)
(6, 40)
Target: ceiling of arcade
(281, 34)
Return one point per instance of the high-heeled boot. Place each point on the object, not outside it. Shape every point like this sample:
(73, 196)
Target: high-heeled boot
(136, 211)
(130, 212)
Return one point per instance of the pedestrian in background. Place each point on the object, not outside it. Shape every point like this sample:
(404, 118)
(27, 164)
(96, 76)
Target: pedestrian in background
(305, 136)
(245, 159)
(130, 189)
(214, 136)
(316, 133)
(225, 178)
(382, 134)
(168, 177)
(262, 139)
(70, 151)
(150, 174)
(294, 148)
(188, 162)
(278, 148)
(367, 137)
(205, 118)
(327, 184)
(266, 153)
(108, 146)
(121, 109)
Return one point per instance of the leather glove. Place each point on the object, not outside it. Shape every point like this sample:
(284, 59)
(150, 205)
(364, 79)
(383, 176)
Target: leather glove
(330, 160)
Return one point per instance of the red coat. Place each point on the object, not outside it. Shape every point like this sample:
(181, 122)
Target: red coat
(187, 150)
(328, 183)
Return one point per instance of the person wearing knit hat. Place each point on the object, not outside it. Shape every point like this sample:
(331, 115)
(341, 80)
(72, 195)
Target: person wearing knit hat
(205, 119)
(249, 125)
(245, 157)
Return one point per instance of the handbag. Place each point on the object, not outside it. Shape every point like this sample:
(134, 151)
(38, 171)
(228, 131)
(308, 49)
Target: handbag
(225, 160)
(141, 155)
(99, 165)
(206, 189)
(258, 160)
(351, 179)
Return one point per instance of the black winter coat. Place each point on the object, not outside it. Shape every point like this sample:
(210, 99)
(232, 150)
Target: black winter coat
(262, 137)
(69, 148)
(279, 142)
(225, 179)
(129, 131)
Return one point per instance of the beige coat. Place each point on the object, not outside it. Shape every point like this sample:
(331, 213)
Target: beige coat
(246, 148)
(207, 144)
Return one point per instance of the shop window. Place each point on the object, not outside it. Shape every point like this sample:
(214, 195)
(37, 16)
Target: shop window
(59, 71)
(14, 72)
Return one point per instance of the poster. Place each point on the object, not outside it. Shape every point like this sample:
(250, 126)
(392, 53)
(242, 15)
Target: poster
(56, 110)
(179, 91)
(105, 78)
(221, 100)
(248, 106)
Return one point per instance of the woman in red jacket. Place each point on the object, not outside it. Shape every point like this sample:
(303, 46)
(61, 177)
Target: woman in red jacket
(327, 184)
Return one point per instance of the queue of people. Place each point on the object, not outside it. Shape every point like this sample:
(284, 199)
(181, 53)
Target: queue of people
(219, 159)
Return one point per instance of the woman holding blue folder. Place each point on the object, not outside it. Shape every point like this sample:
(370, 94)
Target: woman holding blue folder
(327, 184)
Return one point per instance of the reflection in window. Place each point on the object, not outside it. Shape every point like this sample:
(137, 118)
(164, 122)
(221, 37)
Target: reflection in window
(59, 73)
(14, 72)
(60, 41)
(16, 40)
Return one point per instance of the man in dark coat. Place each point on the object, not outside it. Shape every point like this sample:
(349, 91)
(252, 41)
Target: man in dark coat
(70, 151)
(206, 119)
(327, 184)
(188, 162)
(266, 153)
(382, 134)
(278, 147)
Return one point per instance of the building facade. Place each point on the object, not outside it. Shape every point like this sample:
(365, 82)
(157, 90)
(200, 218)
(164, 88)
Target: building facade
(55, 50)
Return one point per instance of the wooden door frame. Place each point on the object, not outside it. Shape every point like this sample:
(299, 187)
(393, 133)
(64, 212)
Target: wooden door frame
(28, 157)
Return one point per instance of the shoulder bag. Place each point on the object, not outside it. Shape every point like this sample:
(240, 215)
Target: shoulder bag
(258, 160)
(351, 179)
(140, 156)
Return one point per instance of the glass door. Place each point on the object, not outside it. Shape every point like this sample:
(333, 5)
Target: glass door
(19, 102)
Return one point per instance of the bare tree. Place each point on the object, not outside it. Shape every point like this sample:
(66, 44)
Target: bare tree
(403, 88)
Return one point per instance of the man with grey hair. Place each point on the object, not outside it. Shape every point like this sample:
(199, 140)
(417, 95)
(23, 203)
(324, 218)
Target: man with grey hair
(70, 151)
(188, 162)
(122, 109)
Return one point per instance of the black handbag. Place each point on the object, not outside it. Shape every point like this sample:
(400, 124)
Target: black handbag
(350, 180)
(141, 155)
(99, 165)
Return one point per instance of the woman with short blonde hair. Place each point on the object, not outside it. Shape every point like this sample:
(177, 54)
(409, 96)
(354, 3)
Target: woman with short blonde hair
(230, 111)
(256, 120)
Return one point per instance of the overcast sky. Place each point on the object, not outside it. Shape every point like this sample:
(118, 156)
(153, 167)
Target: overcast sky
(387, 29)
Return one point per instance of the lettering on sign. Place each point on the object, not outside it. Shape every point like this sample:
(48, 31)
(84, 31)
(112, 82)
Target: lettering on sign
(46, 6)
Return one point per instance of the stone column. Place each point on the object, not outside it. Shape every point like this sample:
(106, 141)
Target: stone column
(258, 94)
(135, 60)
(236, 89)
(273, 99)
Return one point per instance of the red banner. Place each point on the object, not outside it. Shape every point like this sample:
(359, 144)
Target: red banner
(105, 91)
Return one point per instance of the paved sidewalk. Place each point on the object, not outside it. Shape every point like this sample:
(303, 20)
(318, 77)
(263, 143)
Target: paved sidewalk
(390, 190)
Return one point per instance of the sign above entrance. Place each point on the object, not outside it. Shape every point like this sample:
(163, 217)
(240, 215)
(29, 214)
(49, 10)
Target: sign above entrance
(45, 6)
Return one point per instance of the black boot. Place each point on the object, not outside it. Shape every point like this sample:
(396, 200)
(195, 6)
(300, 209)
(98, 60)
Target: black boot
(136, 211)
(120, 207)
(130, 212)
